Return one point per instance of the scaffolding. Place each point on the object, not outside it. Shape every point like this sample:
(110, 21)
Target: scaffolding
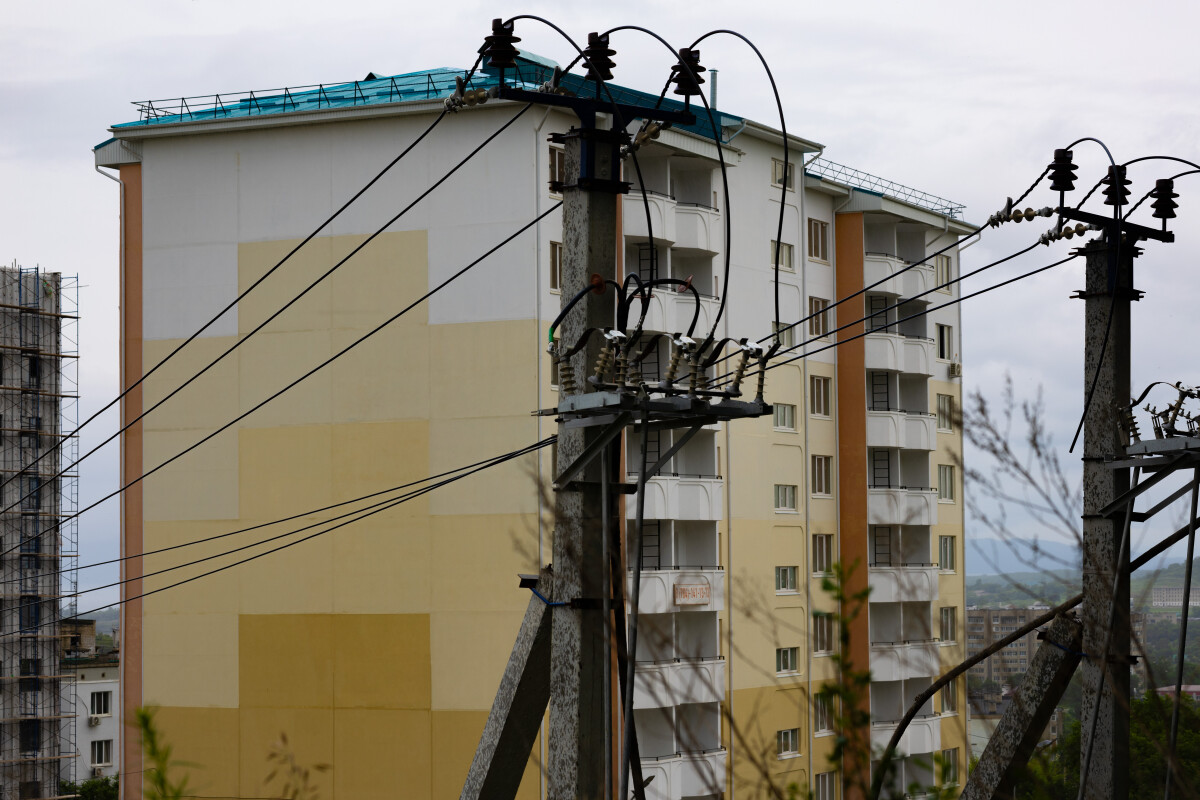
(38, 539)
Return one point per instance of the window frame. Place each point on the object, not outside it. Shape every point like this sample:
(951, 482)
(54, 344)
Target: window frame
(105, 746)
(943, 272)
(945, 342)
(790, 583)
(818, 240)
(775, 421)
(826, 395)
(789, 174)
(786, 509)
(822, 714)
(787, 660)
(946, 547)
(785, 737)
(822, 553)
(785, 263)
(106, 697)
(556, 250)
(946, 414)
(787, 333)
(818, 317)
(950, 767)
(821, 483)
(823, 633)
(950, 698)
(557, 168)
(946, 483)
(825, 785)
(948, 628)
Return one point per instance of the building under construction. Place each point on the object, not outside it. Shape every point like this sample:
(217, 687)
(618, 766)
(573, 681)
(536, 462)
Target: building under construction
(38, 412)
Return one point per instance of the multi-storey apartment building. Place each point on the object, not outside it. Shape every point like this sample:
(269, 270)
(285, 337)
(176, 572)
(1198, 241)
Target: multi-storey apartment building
(38, 392)
(378, 648)
(988, 625)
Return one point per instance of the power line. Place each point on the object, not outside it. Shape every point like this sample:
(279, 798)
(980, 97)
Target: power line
(895, 305)
(390, 504)
(311, 372)
(233, 303)
(282, 520)
(243, 339)
(947, 304)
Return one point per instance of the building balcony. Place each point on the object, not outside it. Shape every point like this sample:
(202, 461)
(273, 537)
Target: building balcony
(880, 267)
(684, 497)
(694, 774)
(910, 430)
(903, 583)
(672, 312)
(923, 734)
(662, 216)
(895, 352)
(902, 661)
(663, 684)
(665, 591)
(697, 227)
(901, 506)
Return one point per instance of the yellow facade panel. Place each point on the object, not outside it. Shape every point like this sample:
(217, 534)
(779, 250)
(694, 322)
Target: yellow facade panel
(273, 360)
(454, 737)
(310, 739)
(195, 657)
(206, 404)
(509, 488)
(286, 661)
(382, 754)
(201, 485)
(207, 742)
(482, 369)
(466, 645)
(381, 661)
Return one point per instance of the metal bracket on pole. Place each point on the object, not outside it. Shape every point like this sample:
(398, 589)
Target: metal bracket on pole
(593, 449)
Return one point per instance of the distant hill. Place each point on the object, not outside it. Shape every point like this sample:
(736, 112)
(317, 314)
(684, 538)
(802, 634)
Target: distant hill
(106, 619)
(986, 556)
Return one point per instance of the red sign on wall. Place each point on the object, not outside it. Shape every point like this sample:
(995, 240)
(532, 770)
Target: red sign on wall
(692, 594)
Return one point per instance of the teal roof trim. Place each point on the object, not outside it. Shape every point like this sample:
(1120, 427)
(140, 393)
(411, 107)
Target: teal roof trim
(530, 73)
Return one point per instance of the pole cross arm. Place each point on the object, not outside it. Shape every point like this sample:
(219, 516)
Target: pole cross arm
(1133, 229)
(587, 107)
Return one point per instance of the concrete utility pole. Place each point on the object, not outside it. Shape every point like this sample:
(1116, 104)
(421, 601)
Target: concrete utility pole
(578, 633)
(1109, 290)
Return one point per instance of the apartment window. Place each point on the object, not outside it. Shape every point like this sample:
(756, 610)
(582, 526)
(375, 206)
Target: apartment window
(946, 482)
(786, 253)
(31, 735)
(945, 342)
(29, 790)
(950, 624)
(31, 613)
(946, 552)
(941, 272)
(822, 714)
(821, 484)
(786, 333)
(781, 174)
(950, 698)
(101, 704)
(785, 497)
(787, 742)
(785, 579)
(785, 417)
(818, 316)
(787, 659)
(558, 168)
(825, 786)
(102, 753)
(950, 766)
(818, 395)
(818, 240)
(556, 250)
(945, 412)
(822, 633)
(822, 560)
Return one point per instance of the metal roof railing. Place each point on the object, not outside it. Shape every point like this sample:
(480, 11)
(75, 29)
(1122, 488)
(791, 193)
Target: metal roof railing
(824, 168)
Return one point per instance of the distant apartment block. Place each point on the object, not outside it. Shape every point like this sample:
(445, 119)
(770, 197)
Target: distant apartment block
(1172, 597)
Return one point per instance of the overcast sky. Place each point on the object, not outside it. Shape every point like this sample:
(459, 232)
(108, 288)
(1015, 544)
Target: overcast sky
(962, 100)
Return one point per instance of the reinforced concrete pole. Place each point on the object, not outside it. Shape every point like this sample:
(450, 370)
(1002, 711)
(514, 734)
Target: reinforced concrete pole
(577, 713)
(1105, 713)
